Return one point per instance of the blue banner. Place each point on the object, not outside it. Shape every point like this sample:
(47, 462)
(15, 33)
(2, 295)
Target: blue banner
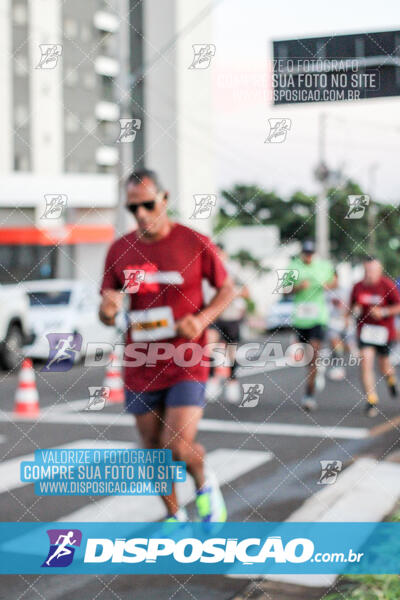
(102, 472)
(194, 548)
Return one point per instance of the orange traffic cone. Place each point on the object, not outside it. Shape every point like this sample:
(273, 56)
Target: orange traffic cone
(26, 396)
(113, 380)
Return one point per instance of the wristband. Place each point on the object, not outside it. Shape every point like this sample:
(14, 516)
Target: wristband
(122, 321)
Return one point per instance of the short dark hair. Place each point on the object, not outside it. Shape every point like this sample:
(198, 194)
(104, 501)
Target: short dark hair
(140, 174)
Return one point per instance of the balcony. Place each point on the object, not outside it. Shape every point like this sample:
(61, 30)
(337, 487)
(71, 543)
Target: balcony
(107, 111)
(106, 156)
(105, 21)
(106, 66)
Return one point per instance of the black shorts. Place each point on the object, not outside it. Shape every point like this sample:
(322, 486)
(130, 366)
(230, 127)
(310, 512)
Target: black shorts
(310, 333)
(228, 330)
(383, 350)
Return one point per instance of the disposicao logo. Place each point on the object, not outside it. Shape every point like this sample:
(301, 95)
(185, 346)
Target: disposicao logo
(192, 550)
(62, 547)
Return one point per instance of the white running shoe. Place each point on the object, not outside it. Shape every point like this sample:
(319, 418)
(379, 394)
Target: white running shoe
(180, 516)
(337, 374)
(213, 389)
(309, 403)
(233, 392)
(320, 379)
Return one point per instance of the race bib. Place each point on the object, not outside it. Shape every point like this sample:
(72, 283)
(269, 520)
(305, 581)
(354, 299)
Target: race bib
(374, 334)
(152, 324)
(336, 323)
(307, 310)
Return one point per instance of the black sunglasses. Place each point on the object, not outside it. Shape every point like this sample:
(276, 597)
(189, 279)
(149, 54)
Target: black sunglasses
(148, 205)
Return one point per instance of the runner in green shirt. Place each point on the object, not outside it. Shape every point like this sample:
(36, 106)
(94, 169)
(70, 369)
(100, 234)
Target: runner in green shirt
(310, 315)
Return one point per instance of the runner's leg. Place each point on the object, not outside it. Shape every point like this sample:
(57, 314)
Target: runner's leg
(367, 354)
(312, 368)
(178, 434)
(150, 426)
(388, 371)
(367, 370)
(386, 366)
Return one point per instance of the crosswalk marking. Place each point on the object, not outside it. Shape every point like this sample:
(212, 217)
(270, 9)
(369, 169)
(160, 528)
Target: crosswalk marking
(365, 492)
(283, 429)
(245, 427)
(227, 464)
(9, 469)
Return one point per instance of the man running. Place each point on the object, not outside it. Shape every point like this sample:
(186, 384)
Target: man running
(310, 317)
(374, 301)
(336, 332)
(166, 398)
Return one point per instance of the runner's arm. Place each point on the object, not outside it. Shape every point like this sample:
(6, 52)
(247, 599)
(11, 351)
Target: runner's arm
(192, 326)
(110, 305)
(390, 310)
(224, 296)
(332, 283)
(303, 285)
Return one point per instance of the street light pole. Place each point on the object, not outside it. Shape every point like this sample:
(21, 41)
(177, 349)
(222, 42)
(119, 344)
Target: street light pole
(125, 150)
(322, 204)
(372, 208)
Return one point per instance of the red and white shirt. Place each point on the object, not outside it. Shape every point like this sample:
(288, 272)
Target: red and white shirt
(383, 293)
(174, 269)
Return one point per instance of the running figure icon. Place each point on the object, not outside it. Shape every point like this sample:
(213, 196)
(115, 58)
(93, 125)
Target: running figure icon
(62, 549)
(63, 348)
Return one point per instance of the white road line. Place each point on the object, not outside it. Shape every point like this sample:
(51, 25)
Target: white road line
(151, 508)
(245, 427)
(248, 371)
(284, 429)
(365, 492)
(9, 469)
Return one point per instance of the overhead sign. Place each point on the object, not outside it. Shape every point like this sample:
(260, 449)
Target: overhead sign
(336, 68)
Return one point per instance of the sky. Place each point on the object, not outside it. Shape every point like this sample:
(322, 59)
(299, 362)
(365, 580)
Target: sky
(363, 137)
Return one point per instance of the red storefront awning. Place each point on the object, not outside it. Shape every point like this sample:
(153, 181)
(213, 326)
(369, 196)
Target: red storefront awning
(68, 234)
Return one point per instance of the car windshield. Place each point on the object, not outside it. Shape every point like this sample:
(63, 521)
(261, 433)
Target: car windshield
(54, 298)
(286, 298)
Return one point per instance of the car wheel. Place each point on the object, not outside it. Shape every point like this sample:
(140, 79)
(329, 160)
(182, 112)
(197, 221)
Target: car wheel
(11, 354)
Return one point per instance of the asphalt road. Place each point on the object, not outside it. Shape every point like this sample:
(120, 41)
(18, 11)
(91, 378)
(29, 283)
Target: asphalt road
(270, 490)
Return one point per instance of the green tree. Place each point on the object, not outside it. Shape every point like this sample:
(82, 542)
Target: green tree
(350, 239)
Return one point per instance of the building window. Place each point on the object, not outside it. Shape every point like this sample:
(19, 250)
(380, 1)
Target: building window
(72, 77)
(90, 125)
(89, 80)
(20, 14)
(107, 88)
(86, 34)
(71, 123)
(24, 263)
(70, 28)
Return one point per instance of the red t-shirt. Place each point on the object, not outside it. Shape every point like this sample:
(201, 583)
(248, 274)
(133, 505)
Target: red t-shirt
(382, 293)
(174, 268)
